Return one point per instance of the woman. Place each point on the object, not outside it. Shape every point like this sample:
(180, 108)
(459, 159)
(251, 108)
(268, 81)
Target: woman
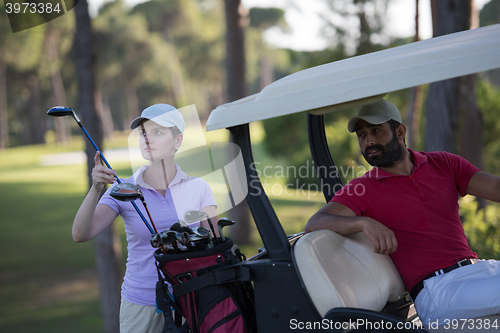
(168, 191)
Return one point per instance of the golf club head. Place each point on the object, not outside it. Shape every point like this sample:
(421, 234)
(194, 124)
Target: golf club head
(168, 236)
(224, 222)
(60, 111)
(182, 238)
(155, 240)
(126, 192)
(181, 226)
(196, 238)
(192, 216)
(201, 231)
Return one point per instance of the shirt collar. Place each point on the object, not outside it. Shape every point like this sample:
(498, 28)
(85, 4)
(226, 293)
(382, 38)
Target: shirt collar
(419, 158)
(139, 177)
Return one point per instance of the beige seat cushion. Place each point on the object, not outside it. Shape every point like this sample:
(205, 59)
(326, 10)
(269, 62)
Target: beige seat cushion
(343, 271)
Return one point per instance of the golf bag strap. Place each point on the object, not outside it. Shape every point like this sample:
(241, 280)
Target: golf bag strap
(163, 300)
(230, 274)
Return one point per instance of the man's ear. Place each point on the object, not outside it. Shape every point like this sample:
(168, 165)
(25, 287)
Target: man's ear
(401, 131)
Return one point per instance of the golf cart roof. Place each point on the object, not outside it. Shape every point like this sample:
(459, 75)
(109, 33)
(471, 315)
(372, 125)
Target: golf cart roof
(360, 80)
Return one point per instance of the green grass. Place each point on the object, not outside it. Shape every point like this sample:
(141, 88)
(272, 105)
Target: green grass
(47, 282)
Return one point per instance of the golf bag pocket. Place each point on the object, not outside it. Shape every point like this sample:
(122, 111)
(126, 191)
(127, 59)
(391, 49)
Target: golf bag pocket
(212, 292)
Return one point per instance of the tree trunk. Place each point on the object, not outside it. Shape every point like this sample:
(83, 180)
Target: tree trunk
(105, 115)
(266, 71)
(4, 116)
(415, 96)
(177, 78)
(105, 255)
(471, 143)
(62, 127)
(471, 138)
(35, 124)
(132, 104)
(236, 20)
(442, 101)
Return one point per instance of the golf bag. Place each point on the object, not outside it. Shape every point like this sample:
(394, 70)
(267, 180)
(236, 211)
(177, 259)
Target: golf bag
(212, 292)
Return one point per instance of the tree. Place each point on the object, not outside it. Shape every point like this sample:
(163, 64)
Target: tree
(442, 105)
(22, 53)
(356, 25)
(106, 258)
(415, 96)
(453, 102)
(490, 14)
(125, 52)
(236, 21)
(58, 40)
(262, 19)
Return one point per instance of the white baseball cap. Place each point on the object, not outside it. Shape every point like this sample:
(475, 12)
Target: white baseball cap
(163, 114)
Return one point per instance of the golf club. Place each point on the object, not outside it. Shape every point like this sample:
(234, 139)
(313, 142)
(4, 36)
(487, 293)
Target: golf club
(183, 239)
(181, 226)
(62, 111)
(155, 240)
(202, 233)
(192, 216)
(130, 192)
(223, 222)
(168, 237)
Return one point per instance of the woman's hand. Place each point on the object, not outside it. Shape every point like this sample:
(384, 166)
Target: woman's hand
(101, 175)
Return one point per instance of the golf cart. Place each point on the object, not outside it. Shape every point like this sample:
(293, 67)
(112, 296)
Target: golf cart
(320, 280)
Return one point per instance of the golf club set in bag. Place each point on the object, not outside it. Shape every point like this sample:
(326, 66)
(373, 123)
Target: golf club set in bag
(210, 290)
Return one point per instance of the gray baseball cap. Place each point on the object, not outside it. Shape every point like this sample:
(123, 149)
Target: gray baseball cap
(163, 114)
(375, 113)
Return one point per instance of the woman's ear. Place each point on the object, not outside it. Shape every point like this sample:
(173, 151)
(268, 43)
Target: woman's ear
(178, 140)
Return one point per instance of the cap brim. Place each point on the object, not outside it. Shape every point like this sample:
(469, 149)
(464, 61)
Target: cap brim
(375, 120)
(136, 122)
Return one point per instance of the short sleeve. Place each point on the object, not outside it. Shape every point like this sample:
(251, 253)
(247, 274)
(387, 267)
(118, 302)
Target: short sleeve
(462, 170)
(107, 200)
(207, 196)
(353, 195)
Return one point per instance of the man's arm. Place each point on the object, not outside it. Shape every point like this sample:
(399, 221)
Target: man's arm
(341, 219)
(484, 185)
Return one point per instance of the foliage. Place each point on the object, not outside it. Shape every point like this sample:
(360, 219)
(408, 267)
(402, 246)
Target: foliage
(264, 18)
(358, 25)
(482, 228)
(488, 99)
(490, 13)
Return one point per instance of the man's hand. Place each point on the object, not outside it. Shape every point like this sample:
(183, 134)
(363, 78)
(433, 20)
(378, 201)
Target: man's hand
(341, 219)
(383, 239)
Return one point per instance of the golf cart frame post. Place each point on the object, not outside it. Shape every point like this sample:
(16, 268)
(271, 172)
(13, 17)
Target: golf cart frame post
(321, 155)
(279, 292)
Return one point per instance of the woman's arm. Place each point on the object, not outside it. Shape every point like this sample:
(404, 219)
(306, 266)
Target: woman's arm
(91, 220)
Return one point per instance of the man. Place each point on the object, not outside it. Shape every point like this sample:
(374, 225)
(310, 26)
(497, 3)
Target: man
(407, 205)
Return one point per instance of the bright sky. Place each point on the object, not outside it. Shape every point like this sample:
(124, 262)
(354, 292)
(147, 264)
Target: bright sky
(302, 17)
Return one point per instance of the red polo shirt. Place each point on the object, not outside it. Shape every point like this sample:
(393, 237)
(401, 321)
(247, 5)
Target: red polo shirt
(421, 210)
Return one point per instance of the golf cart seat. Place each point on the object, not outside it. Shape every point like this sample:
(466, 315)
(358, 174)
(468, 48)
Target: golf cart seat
(343, 271)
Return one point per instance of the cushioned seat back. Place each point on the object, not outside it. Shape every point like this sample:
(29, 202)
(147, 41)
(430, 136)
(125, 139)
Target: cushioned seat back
(343, 271)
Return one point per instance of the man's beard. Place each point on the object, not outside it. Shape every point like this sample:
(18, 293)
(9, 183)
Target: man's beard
(389, 154)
